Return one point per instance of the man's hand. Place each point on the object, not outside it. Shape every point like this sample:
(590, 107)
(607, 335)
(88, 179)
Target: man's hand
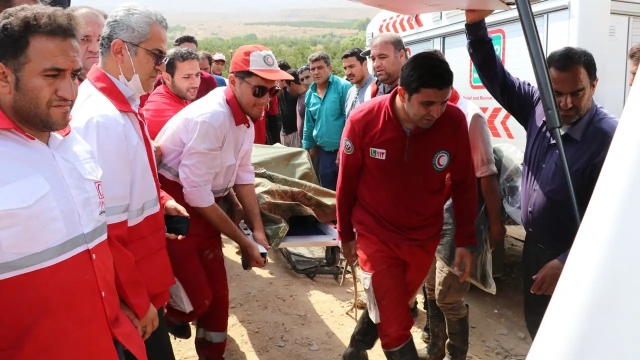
(496, 234)
(313, 152)
(546, 279)
(149, 322)
(261, 238)
(157, 152)
(349, 252)
(473, 16)
(175, 209)
(463, 263)
(252, 255)
(132, 317)
(338, 160)
(236, 213)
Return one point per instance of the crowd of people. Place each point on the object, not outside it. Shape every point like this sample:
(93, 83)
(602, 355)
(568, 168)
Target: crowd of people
(114, 141)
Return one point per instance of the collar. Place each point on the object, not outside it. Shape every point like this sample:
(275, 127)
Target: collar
(111, 88)
(577, 129)
(8, 124)
(314, 86)
(165, 90)
(455, 96)
(366, 82)
(239, 116)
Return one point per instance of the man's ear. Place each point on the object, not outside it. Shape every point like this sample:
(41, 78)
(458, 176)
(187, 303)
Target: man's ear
(7, 80)
(233, 81)
(119, 50)
(402, 94)
(166, 78)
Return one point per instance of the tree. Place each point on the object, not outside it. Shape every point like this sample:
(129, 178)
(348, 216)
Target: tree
(295, 50)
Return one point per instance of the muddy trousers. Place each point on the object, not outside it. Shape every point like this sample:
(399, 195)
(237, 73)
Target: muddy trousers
(391, 274)
(443, 286)
(198, 264)
(534, 258)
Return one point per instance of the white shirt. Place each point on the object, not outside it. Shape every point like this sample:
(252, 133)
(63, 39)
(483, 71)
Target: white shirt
(50, 205)
(117, 141)
(206, 147)
(480, 139)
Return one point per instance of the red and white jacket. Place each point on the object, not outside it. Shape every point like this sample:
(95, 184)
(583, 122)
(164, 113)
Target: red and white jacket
(58, 297)
(105, 115)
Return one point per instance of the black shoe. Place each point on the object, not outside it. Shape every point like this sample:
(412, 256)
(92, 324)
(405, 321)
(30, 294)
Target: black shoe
(458, 344)
(437, 333)
(406, 352)
(180, 330)
(426, 336)
(364, 337)
(414, 311)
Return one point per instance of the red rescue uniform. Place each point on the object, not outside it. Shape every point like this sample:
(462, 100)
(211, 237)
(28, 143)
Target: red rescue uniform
(161, 105)
(391, 189)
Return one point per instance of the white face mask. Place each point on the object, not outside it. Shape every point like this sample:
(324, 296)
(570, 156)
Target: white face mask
(134, 84)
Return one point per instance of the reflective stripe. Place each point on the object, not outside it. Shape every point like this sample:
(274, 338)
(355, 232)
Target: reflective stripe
(133, 214)
(211, 336)
(169, 169)
(82, 240)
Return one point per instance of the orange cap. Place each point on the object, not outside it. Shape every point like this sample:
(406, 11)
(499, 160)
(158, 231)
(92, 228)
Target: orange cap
(258, 60)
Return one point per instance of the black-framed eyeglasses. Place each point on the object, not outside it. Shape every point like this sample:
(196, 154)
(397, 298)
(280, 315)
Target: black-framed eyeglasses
(259, 91)
(158, 58)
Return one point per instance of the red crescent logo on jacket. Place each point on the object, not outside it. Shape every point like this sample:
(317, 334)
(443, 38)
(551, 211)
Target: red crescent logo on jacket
(441, 160)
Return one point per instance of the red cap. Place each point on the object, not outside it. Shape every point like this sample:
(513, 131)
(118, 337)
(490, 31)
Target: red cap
(258, 60)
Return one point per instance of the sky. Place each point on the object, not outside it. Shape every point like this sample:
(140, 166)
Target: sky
(225, 6)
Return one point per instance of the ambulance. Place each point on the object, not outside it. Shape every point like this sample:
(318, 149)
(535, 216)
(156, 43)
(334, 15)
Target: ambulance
(557, 21)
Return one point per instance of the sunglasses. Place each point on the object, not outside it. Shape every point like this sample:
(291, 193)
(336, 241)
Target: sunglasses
(259, 91)
(158, 58)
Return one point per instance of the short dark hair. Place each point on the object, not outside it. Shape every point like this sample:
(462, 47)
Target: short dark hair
(179, 55)
(438, 53)
(320, 56)
(355, 52)
(303, 68)
(568, 57)
(294, 74)
(185, 39)
(19, 24)
(243, 74)
(206, 55)
(284, 65)
(634, 53)
(425, 70)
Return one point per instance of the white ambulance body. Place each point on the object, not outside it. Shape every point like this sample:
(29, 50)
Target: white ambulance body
(555, 20)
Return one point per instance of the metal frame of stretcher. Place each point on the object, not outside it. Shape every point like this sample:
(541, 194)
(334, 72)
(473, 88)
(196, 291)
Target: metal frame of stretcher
(311, 266)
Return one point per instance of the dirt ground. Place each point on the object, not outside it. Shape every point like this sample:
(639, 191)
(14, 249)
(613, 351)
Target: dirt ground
(276, 314)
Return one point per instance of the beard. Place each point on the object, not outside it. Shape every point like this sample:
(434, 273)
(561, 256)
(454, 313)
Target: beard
(183, 93)
(35, 116)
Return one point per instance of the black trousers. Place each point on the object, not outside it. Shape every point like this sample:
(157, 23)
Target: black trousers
(534, 258)
(158, 344)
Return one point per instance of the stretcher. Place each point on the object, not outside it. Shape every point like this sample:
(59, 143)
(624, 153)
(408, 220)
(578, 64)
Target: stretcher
(298, 214)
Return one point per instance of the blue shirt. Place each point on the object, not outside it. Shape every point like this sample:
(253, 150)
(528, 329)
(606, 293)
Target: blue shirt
(220, 80)
(325, 117)
(547, 214)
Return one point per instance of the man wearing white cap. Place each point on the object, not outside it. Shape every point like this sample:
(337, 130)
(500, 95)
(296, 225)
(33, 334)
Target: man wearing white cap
(206, 151)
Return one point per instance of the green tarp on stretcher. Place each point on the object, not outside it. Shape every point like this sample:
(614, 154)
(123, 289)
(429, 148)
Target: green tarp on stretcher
(286, 185)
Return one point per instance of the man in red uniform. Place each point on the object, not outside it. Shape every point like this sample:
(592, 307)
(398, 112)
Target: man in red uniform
(179, 88)
(207, 81)
(57, 281)
(400, 153)
(106, 115)
(206, 151)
